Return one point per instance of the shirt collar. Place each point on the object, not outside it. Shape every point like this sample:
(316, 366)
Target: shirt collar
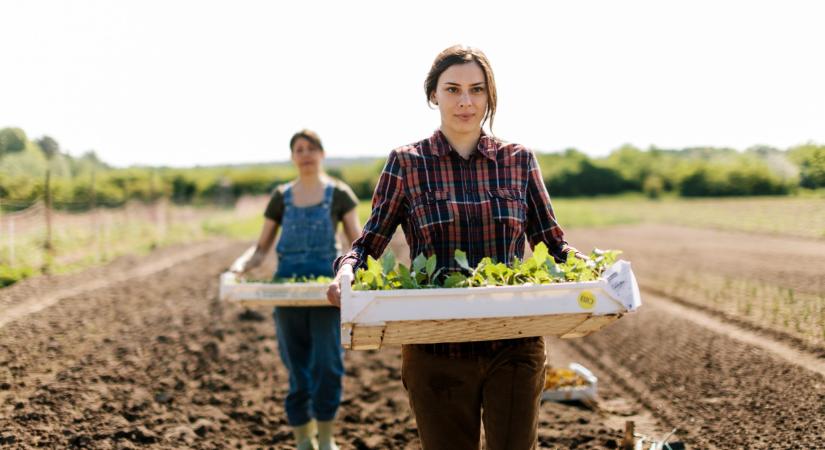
(486, 145)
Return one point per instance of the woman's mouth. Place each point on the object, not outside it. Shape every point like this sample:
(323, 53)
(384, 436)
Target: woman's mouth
(464, 117)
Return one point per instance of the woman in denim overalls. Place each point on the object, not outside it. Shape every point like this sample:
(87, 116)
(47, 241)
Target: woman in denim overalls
(309, 339)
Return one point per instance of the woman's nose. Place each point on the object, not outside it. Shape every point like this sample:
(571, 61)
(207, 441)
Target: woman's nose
(464, 100)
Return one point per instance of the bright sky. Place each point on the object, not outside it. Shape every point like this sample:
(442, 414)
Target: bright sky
(204, 82)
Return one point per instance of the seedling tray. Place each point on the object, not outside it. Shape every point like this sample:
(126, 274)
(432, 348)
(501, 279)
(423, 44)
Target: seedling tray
(233, 288)
(371, 319)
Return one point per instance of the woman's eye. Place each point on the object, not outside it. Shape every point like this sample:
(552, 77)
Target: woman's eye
(452, 90)
(478, 89)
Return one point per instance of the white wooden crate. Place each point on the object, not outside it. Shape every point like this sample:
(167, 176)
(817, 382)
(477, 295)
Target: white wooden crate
(234, 289)
(370, 319)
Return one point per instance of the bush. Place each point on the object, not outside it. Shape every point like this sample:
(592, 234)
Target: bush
(575, 174)
(653, 186)
(811, 161)
(363, 177)
(11, 275)
(726, 180)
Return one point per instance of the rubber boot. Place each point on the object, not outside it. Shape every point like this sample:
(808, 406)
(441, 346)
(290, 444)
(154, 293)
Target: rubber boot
(326, 432)
(305, 435)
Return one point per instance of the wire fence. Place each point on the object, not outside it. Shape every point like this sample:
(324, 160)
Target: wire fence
(46, 238)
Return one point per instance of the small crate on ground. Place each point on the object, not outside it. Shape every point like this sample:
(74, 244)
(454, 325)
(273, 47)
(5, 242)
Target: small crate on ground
(576, 383)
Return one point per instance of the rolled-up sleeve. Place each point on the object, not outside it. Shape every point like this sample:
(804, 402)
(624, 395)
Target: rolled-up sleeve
(541, 220)
(389, 206)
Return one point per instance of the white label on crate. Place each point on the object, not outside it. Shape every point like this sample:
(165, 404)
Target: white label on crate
(264, 294)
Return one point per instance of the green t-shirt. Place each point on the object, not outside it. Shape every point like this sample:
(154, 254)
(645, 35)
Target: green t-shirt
(343, 201)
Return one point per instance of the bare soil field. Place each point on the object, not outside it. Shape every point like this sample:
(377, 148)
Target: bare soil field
(770, 282)
(141, 354)
(156, 361)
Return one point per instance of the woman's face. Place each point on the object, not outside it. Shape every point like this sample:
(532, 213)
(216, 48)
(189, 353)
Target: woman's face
(461, 96)
(306, 156)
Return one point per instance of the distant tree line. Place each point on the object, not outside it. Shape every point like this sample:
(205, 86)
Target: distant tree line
(84, 181)
(691, 172)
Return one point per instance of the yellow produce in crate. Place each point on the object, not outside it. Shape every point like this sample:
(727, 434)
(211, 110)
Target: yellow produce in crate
(572, 383)
(562, 378)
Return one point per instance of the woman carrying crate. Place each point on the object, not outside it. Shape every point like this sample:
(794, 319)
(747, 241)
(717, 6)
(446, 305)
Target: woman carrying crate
(462, 188)
(308, 211)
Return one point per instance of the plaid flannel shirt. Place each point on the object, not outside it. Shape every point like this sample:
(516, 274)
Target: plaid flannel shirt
(485, 205)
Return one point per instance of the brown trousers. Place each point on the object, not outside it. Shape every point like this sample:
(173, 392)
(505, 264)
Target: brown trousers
(452, 397)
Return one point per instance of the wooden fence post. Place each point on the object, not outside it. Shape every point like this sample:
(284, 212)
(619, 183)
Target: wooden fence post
(10, 231)
(11, 242)
(628, 440)
(1, 218)
(47, 245)
(95, 216)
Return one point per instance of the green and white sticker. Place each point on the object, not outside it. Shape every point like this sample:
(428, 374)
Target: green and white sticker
(587, 300)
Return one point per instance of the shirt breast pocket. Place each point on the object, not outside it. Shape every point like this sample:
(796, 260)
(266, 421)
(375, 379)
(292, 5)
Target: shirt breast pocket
(432, 214)
(509, 210)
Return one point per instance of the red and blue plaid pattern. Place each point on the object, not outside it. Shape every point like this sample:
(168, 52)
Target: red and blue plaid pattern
(486, 206)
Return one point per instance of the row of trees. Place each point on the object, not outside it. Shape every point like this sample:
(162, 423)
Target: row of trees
(692, 172)
(85, 181)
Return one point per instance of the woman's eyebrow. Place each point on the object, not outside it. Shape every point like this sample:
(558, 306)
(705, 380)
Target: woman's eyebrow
(453, 83)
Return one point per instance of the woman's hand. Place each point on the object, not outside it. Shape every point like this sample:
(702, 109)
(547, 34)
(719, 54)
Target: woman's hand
(253, 262)
(334, 288)
(250, 259)
(254, 256)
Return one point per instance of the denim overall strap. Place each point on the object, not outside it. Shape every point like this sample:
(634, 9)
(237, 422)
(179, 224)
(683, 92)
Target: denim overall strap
(328, 191)
(288, 196)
